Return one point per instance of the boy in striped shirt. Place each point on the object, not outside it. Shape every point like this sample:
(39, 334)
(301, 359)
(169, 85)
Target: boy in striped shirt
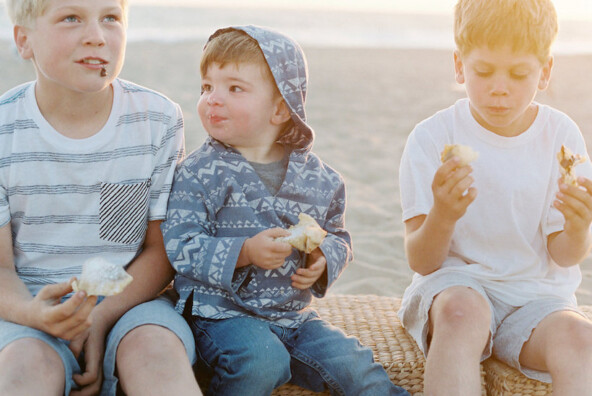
(86, 163)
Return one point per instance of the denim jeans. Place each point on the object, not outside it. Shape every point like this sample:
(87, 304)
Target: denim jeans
(247, 356)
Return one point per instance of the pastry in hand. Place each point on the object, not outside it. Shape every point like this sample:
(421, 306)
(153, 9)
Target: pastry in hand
(567, 163)
(465, 153)
(305, 236)
(101, 278)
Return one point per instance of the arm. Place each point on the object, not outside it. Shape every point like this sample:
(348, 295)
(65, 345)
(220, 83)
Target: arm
(325, 264)
(152, 273)
(190, 232)
(42, 312)
(570, 246)
(428, 237)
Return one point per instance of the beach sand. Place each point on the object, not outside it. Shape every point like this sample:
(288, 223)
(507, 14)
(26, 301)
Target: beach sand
(362, 104)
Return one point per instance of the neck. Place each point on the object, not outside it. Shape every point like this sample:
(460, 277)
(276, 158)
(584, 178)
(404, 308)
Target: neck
(76, 115)
(263, 155)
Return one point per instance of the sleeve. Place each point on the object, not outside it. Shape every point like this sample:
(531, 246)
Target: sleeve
(419, 163)
(337, 245)
(189, 234)
(4, 208)
(170, 152)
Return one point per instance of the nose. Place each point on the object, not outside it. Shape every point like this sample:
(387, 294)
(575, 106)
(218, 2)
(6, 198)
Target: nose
(214, 98)
(94, 34)
(499, 86)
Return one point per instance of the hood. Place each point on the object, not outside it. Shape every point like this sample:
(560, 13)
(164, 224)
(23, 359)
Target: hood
(288, 66)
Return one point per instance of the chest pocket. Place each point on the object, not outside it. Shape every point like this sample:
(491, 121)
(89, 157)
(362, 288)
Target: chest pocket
(123, 211)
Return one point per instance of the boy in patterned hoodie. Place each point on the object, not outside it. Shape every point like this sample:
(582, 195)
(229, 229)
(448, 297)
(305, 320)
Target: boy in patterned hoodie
(245, 294)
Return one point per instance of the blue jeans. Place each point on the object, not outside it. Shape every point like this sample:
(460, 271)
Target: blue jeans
(247, 356)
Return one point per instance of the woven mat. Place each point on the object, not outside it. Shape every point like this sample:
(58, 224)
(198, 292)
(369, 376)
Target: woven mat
(503, 380)
(373, 320)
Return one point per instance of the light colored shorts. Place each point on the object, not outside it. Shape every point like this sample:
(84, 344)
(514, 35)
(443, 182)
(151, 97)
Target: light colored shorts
(159, 312)
(510, 326)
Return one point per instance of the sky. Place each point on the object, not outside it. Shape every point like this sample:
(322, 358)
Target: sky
(566, 9)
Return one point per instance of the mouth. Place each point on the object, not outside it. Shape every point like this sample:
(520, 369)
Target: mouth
(498, 109)
(215, 119)
(93, 63)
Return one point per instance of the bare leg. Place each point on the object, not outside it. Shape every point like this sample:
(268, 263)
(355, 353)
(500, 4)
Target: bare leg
(562, 345)
(151, 360)
(459, 319)
(29, 366)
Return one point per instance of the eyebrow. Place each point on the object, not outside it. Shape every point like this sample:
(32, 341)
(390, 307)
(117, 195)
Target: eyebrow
(513, 66)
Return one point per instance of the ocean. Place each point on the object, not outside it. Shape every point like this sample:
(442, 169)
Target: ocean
(314, 28)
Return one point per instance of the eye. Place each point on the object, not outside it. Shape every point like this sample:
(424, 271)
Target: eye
(205, 88)
(111, 18)
(482, 73)
(236, 88)
(518, 76)
(70, 19)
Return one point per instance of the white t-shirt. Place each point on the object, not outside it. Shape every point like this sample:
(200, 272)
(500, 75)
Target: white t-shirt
(501, 239)
(68, 200)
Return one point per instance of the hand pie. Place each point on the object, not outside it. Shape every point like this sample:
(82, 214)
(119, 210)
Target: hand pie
(465, 153)
(567, 163)
(101, 278)
(305, 236)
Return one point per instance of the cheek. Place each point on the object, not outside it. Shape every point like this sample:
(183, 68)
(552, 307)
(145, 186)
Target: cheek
(201, 104)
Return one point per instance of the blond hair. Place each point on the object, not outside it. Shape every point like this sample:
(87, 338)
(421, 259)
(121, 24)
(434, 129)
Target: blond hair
(25, 12)
(525, 25)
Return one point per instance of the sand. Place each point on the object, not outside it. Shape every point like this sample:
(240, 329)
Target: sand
(362, 104)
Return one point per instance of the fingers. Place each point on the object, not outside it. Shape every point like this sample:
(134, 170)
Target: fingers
(276, 232)
(577, 200)
(55, 292)
(90, 379)
(69, 319)
(575, 203)
(89, 386)
(306, 277)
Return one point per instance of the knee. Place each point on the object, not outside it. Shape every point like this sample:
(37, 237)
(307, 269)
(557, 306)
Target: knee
(40, 361)
(149, 343)
(577, 341)
(459, 309)
(266, 361)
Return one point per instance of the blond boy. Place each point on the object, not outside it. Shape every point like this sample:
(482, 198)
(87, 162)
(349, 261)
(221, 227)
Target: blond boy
(86, 163)
(496, 244)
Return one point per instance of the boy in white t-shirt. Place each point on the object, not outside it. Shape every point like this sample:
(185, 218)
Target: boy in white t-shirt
(496, 244)
(86, 166)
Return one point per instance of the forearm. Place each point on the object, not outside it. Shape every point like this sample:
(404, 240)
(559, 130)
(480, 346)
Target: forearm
(14, 297)
(151, 272)
(568, 250)
(428, 245)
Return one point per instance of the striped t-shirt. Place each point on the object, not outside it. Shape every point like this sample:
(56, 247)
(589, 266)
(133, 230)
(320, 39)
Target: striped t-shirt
(68, 200)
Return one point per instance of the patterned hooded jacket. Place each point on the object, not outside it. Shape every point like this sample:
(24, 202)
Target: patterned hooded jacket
(218, 201)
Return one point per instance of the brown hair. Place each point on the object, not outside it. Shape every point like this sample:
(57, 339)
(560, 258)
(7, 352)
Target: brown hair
(233, 47)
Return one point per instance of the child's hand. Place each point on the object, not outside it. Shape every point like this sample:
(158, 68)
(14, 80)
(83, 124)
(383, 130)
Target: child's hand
(315, 266)
(92, 343)
(452, 190)
(64, 320)
(263, 251)
(575, 204)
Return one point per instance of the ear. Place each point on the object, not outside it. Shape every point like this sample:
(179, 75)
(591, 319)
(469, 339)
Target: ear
(546, 74)
(459, 74)
(21, 39)
(281, 113)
